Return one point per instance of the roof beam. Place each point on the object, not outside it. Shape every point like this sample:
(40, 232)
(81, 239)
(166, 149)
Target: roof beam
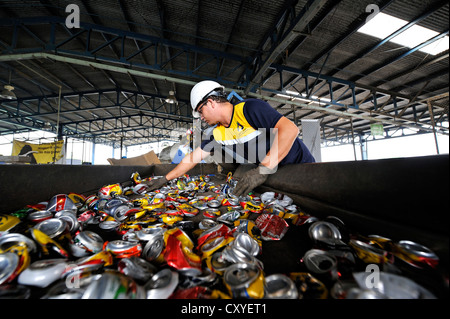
(301, 21)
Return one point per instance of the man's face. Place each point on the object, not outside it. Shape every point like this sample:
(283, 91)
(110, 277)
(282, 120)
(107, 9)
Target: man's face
(208, 112)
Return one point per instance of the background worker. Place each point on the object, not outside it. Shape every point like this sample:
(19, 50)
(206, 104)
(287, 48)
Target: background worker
(248, 132)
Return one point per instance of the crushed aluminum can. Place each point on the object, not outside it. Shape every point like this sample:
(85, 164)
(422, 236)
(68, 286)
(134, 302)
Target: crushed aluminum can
(220, 230)
(53, 227)
(308, 286)
(162, 284)
(304, 219)
(114, 285)
(251, 204)
(326, 234)
(42, 273)
(180, 256)
(39, 216)
(275, 209)
(225, 189)
(415, 254)
(61, 290)
(322, 263)
(8, 222)
(272, 227)
(229, 218)
(77, 199)
(279, 286)
(89, 264)
(217, 264)
(187, 210)
(214, 244)
(233, 200)
(214, 203)
(110, 204)
(109, 225)
(9, 240)
(170, 219)
(122, 212)
(238, 255)
(211, 213)
(9, 262)
(244, 280)
(123, 249)
(369, 253)
(248, 227)
(147, 234)
(70, 219)
(207, 278)
(22, 252)
(109, 191)
(199, 204)
(140, 189)
(86, 242)
(153, 248)
(48, 245)
(61, 202)
(246, 242)
(137, 268)
(272, 198)
(207, 223)
(393, 286)
(91, 203)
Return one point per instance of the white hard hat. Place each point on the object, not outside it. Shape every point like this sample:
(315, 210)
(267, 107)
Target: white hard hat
(201, 91)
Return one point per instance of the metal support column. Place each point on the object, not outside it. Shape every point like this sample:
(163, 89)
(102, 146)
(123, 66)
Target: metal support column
(430, 110)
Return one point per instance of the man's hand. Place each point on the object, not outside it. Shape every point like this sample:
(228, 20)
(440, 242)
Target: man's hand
(156, 183)
(250, 180)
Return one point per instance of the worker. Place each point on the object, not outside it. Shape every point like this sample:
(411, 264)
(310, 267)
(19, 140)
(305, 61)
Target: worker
(248, 132)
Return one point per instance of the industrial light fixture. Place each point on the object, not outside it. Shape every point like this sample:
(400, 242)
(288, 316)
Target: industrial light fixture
(7, 92)
(171, 98)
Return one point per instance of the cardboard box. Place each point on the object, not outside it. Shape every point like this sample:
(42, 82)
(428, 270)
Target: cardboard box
(149, 158)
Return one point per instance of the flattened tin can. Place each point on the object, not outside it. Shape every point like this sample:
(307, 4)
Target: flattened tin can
(109, 191)
(123, 249)
(272, 227)
(153, 247)
(244, 280)
(61, 202)
(279, 286)
(8, 222)
(321, 262)
(415, 254)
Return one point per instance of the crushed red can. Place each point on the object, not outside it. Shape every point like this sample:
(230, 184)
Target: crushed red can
(272, 227)
(109, 191)
(180, 257)
(220, 230)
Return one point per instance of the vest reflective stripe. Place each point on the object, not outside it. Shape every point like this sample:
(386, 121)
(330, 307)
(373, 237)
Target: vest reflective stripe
(239, 131)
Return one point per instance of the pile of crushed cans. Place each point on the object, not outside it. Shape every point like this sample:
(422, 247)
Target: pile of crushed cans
(193, 239)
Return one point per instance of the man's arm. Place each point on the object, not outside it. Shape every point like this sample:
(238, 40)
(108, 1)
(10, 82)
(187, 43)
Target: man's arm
(187, 163)
(287, 132)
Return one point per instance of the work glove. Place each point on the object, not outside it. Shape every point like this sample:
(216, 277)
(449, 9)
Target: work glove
(251, 179)
(155, 183)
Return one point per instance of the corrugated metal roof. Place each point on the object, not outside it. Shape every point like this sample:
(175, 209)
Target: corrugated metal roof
(190, 40)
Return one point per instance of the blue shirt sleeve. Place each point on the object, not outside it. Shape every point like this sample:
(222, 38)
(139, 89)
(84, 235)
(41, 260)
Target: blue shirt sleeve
(208, 142)
(260, 114)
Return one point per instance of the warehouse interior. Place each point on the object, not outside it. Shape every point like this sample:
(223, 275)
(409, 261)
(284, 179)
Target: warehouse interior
(113, 75)
(120, 73)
